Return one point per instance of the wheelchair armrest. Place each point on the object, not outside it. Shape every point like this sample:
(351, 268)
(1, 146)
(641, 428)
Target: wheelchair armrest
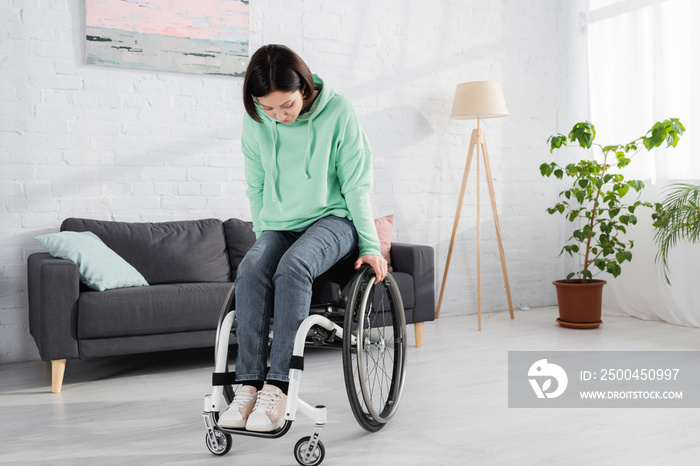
(419, 262)
(53, 291)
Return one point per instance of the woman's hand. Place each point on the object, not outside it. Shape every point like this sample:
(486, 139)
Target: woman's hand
(378, 264)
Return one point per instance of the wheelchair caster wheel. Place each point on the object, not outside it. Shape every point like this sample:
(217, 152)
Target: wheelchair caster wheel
(224, 443)
(316, 456)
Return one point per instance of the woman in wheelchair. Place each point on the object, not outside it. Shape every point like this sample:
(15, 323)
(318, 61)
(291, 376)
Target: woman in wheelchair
(308, 167)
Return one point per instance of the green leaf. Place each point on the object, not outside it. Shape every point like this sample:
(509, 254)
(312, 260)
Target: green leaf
(638, 185)
(648, 143)
(570, 248)
(614, 269)
(676, 130)
(583, 133)
(623, 162)
(556, 141)
(657, 136)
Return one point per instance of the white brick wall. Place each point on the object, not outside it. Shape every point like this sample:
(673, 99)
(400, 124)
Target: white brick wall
(112, 143)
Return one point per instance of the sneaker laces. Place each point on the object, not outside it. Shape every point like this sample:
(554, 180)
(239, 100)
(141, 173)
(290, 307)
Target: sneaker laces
(242, 399)
(267, 401)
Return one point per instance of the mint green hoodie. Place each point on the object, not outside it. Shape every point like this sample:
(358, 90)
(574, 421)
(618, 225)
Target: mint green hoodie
(319, 165)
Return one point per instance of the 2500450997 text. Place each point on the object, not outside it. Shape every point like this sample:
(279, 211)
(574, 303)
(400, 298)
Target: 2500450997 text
(638, 374)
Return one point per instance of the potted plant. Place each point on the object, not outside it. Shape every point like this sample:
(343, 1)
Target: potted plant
(677, 218)
(598, 203)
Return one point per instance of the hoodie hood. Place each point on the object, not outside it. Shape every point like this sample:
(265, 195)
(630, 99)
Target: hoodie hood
(326, 93)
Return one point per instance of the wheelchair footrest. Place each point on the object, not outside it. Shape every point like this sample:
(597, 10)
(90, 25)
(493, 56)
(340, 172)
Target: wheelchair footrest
(274, 434)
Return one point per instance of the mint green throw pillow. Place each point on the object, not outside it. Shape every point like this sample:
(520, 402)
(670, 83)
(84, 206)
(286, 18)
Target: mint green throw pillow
(99, 267)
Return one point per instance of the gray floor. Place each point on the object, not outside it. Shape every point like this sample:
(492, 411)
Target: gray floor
(147, 409)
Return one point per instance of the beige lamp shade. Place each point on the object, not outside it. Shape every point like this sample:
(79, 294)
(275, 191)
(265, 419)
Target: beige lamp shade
(479, 99)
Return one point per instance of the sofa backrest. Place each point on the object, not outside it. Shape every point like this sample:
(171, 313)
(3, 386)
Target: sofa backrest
(166, 252)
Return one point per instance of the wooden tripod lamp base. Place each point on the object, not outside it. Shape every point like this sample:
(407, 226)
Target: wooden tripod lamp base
(477, 100)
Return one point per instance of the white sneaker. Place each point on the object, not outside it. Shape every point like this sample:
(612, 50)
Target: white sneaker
(268, 414)
(237, 413)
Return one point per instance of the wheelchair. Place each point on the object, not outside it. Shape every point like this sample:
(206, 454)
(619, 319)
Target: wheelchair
(367, 321)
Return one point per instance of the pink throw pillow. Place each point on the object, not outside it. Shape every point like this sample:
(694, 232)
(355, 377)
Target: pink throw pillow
(384, 226)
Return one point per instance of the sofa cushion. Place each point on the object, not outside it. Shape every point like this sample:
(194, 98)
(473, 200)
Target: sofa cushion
(156, 309)
(240, 237)
(384, 225)
(167, 252)
(100, 268)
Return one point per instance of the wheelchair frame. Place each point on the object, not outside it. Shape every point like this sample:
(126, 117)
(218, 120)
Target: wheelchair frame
(357, 320)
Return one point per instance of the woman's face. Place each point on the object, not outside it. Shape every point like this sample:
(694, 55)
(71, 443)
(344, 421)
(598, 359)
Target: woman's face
(283, 106)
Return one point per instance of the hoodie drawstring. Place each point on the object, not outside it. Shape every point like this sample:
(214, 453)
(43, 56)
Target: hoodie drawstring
(273, 175)
(273, 165)
(307, 156)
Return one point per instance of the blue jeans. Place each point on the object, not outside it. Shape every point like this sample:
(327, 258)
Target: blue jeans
(277, 273)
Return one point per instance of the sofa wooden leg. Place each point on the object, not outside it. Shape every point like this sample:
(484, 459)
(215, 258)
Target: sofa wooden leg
(58, 368)
(418, 329)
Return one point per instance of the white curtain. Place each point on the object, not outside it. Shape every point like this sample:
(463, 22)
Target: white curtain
(643, 60)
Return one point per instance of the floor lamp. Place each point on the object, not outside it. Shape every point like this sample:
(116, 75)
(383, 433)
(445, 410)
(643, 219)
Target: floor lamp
(477, 100)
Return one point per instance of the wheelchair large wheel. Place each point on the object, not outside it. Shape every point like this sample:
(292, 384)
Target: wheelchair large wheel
(374, 349)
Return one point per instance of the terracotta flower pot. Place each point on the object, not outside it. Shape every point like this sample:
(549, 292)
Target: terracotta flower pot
(580, 303)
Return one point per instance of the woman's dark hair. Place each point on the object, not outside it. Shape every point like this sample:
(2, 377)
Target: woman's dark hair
(274, 68)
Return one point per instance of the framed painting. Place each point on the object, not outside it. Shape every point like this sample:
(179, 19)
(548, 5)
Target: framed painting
(201, 37)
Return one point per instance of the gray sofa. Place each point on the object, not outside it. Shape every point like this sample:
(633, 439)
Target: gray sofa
(190, 266)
